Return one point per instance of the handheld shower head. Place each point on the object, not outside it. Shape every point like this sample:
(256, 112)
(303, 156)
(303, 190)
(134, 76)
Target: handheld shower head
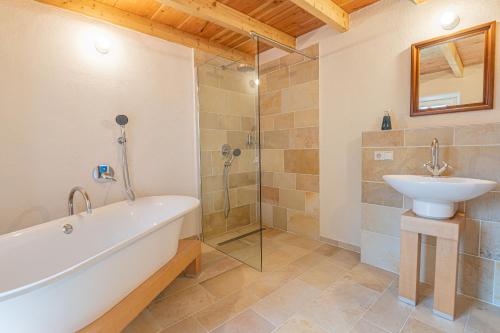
(236, 152)
(121, 120)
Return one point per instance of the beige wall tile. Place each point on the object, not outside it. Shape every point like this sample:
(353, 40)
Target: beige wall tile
(212, 139)
(269, 66)
(307, 137)
(280, 217)
(237, 139)
(475, 277)
(236, 81)
(307, 183)
(278, 79)
(214, 224)
(312, 51)
(228, 122)
(240, 216)
(381, 194)
(242, 179)
(305, 161)
(248, 123)
(496, 298)
(424, 136)
(270, 195)
(284, 121)
(486, 134)
(380, 250)
(291, 59)
(476, 162)
(246, 322)
(267, 178)
(267, 214)
(208, 75)
(276, 139)
(212, 99)
(240, 104)
(392, 138)
(266, 123)
(206, 163)
(312, 204)
(485, 207)
(212, 183)
(301, 97)
(382, 219)
(284, 180)
(303, 224)
(272, 160)
(490, 240)
(304, 72)
(307, 118)
(208, 120)
(246, 195)
(292, 199)
(469, 237)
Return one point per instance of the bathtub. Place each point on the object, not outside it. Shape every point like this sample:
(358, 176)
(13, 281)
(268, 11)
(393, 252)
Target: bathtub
(51, 281)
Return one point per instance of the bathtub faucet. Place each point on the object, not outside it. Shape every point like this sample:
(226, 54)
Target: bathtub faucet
(75, 189)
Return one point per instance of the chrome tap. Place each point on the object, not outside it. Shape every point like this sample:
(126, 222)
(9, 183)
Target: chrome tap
(85, 196)
(434, 166)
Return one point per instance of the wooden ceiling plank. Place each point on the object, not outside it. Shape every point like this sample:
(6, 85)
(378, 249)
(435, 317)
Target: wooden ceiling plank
(230, 18)
(452, 56)
(142, 24)
(327, 11)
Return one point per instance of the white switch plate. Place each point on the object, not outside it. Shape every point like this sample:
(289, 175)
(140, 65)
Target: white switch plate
(383, 155)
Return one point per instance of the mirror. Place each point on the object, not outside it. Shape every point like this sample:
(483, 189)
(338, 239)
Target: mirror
(454, 73)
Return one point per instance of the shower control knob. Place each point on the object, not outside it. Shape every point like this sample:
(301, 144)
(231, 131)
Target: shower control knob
(104, 173)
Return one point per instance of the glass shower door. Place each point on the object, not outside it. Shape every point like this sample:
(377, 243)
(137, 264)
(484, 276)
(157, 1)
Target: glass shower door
(228, 111)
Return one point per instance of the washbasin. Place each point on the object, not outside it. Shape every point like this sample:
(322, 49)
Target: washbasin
(438, 197)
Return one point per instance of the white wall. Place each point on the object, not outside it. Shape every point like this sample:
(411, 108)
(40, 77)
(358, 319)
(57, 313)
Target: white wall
(365, 71)
(58, 100)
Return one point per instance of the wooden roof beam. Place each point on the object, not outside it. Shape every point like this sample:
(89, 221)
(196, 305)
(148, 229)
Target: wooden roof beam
(145, 25)
(229, 18)
(327, 11)
(452, 56)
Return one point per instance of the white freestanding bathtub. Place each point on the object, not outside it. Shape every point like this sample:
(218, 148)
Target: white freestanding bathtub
(53, 282)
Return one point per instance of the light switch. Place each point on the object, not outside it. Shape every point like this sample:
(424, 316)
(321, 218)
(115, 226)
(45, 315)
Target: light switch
(383, 155)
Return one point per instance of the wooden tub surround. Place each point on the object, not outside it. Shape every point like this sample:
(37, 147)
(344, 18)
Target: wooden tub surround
(187, 259)
(447, 233)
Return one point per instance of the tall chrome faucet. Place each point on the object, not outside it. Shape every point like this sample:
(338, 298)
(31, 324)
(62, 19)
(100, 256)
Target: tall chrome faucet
(71, 196)
(434, 166)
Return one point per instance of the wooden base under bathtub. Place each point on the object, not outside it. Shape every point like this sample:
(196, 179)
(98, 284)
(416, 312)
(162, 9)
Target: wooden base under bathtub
(187, 259)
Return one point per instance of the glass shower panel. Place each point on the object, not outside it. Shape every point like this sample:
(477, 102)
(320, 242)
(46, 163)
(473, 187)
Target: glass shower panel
(228, 111)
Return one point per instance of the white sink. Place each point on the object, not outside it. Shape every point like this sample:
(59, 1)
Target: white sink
(437, 197)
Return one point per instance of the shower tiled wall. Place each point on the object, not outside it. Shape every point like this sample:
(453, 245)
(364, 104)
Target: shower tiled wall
(227, 112)
(473, 151)
(289, 121)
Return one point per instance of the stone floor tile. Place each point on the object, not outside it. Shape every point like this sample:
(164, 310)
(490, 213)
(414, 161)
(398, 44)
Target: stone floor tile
(247, 322)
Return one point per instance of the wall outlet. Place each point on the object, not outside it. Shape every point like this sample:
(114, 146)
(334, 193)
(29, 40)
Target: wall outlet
(383, 155)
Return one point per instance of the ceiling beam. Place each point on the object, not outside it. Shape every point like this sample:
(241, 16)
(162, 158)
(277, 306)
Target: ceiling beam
(452, 56)
(229, 18)
(327, 11)
(145, 25)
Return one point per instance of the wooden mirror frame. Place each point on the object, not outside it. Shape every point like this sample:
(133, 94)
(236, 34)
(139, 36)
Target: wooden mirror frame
(489, 71)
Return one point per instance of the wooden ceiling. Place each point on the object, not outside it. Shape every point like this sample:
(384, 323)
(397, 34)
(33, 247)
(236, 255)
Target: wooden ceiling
(220, 26)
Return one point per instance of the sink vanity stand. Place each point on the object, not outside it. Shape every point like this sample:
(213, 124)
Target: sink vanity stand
(447, 233)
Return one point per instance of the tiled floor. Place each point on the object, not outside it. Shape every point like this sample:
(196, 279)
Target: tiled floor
(307, 286)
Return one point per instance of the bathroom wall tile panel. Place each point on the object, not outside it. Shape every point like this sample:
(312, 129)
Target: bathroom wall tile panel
(486, 134)
(269, 67)
(496, 299)
(291, 59)
(229, 122)
(206, 163)
(305, 161)
(212, 99)
(240, 104)
(214, 224)
(303, 224)
(248, 123)
(207, 202)
(242, 179)
(237, 139)
(208, 120)
(284, 121)
(394, 138)
(381, 194)
(381, 219)
(272, 160)
(312, 204)
(485, 207)
(424, 136)
(240, 216)
(267, 214)
(212, 139)
(312, 51)
(380, 250)
(284, 180)
(490, 240)
(475, 277)
(307, 118)
(237, 81)
(469, 237)
(209, 76)
(476, 162)
(307, 183)
(212, 183)
(301, 97)
(292, 199)
(267, 179)
(280, 217)
(246, 195)
(276, 139)
(270, 103)
(306, 137)
(279, 79)
(266, 123)
(270, 195)
(304, 72)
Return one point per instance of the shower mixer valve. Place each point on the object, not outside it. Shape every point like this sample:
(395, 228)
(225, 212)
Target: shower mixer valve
(104, 173)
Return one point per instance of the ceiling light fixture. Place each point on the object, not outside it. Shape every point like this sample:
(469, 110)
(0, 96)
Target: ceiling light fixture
(449, 20)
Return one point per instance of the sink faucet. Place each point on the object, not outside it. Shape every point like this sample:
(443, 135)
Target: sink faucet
(85, 196)
(434, 166)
